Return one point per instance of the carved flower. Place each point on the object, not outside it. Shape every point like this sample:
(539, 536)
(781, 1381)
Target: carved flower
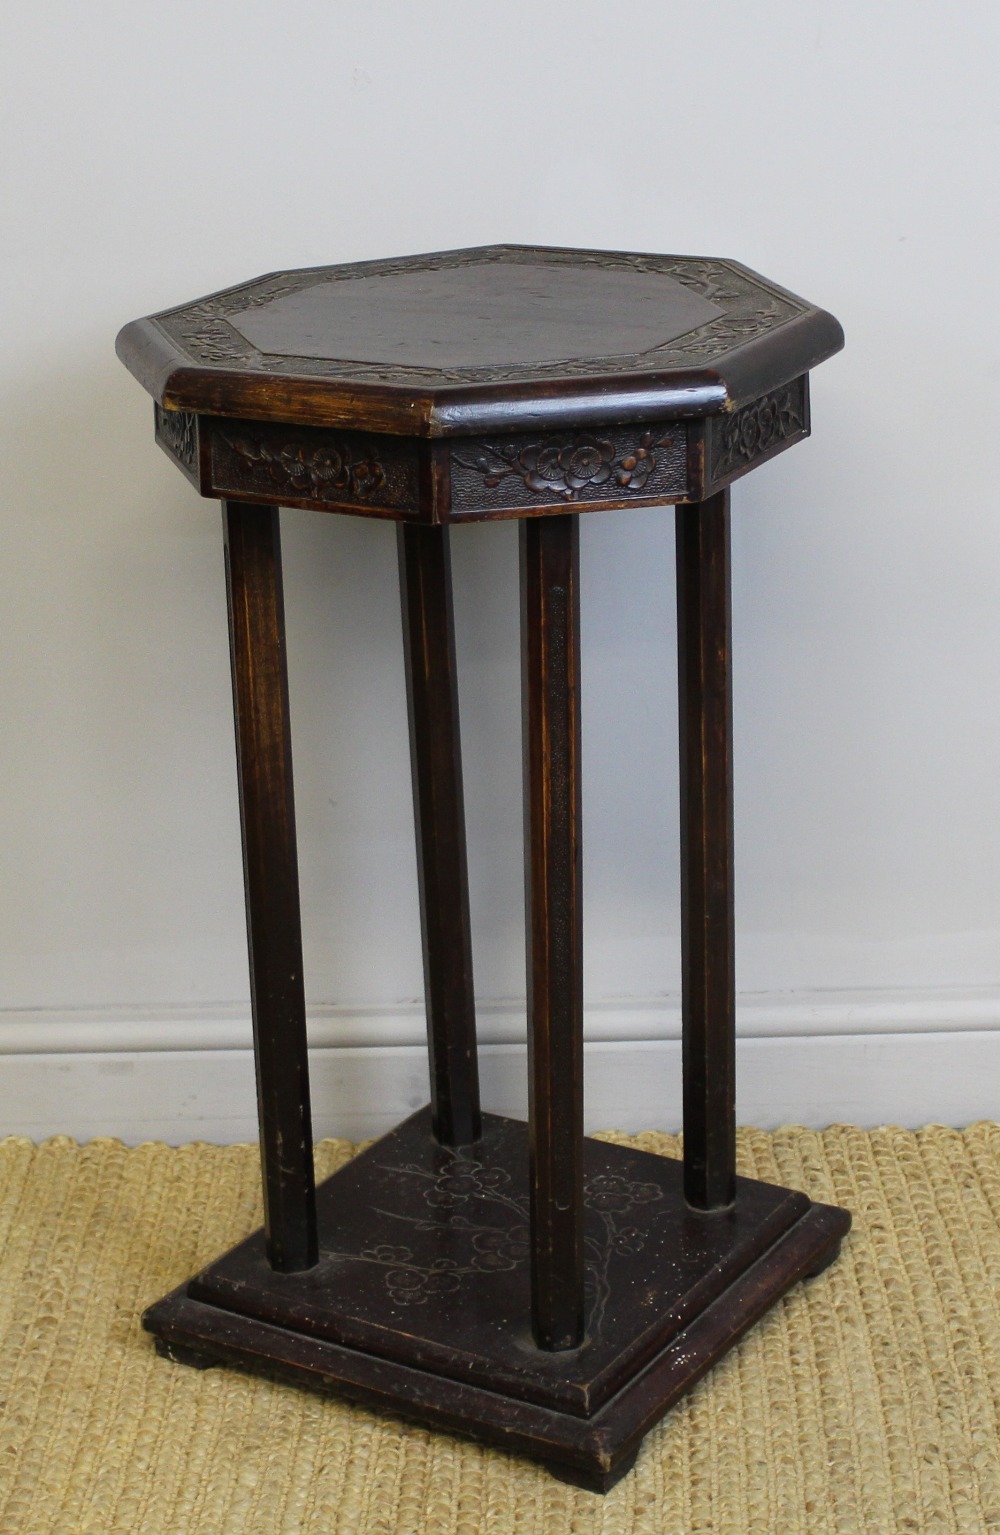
(406, 1286)
(465, 1180)
(288, 465)
(498, 1251)
(177, 430)
(749, 432)
(768, 423)
(318, 471)
(636, 467)
(367, 477)
(386, 1254)
(645, 1193)
(412, 1286)
(315, 472)
(758, 427)
(566, 470)
(610, 1192)
(326, 469)
(628, 1240)
(490, 1177)
(452, 1189)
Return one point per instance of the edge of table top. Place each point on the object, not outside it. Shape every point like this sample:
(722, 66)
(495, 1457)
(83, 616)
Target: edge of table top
(421, 409)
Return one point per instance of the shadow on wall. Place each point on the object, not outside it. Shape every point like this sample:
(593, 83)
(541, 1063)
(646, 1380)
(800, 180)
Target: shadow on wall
(351, 754)
(113, 735)
(123, 880)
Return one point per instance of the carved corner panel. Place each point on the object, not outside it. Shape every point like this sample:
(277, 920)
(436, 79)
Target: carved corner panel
(497, 476)
(313, 467)
(177, 433)
(747, 437)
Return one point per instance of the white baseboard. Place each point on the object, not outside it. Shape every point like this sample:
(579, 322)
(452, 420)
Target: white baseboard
(810, 1058)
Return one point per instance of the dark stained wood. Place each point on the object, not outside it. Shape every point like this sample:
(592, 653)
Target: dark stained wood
(267, 812)
(179, 435)
(361, 472)
(745, 438)
(823, 1261)
(507, 476)
(436, 760)
(704, 642)
(517, 1283)
(425, 1258)
(444, 317)
(494, 338)
(477, 479)
(455, 1359)
(550, 605)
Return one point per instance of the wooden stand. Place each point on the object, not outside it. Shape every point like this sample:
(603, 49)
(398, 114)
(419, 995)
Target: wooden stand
(518, 1283)
(420, 1300)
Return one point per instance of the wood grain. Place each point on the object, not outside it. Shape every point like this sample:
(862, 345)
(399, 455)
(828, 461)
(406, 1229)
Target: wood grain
(439, 805)
(270, 865)
(550, 605)
(416, 1304)
(493, 338)
(704, 642)
(514, 1282)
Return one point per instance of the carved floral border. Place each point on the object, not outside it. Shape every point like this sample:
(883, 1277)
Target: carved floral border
(318, 466)
(177, 430)
(476, 1200)
(756, 429)
(753, 306)
(317, 471)
(569, 468)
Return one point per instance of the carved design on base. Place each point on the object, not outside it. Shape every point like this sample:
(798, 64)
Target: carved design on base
(464, 1196)
(390, 1216)
(591, 1450)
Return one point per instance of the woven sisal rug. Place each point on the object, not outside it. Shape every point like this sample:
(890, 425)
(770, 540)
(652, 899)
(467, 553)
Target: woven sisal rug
(867, 1402)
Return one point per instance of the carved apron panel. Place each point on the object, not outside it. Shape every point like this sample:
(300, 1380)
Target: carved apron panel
(177, 432)
(314, 467)
(746, 437)
(575, 469)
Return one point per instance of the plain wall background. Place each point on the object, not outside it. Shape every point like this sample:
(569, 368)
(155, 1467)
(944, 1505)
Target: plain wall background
(848, 151)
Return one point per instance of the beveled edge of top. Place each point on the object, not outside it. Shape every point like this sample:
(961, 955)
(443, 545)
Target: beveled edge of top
(550, 400)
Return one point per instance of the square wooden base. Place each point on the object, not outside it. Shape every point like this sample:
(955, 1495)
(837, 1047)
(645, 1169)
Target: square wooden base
(420, 1302)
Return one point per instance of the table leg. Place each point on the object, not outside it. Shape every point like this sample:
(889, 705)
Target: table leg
(704, 642)
(274, 929)
(690, 1284)
(550, 601)
(436, 760)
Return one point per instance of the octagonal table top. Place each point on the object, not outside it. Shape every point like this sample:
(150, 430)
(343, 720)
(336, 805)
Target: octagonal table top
(496, 337)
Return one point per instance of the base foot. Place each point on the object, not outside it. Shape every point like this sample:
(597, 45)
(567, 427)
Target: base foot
(178, 1354)
(824, 1261)
(595, 1481)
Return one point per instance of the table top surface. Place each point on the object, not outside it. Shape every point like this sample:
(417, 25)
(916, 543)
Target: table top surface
(498, 336)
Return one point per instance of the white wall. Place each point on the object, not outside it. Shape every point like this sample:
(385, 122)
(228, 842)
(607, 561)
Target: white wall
(152, 154)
